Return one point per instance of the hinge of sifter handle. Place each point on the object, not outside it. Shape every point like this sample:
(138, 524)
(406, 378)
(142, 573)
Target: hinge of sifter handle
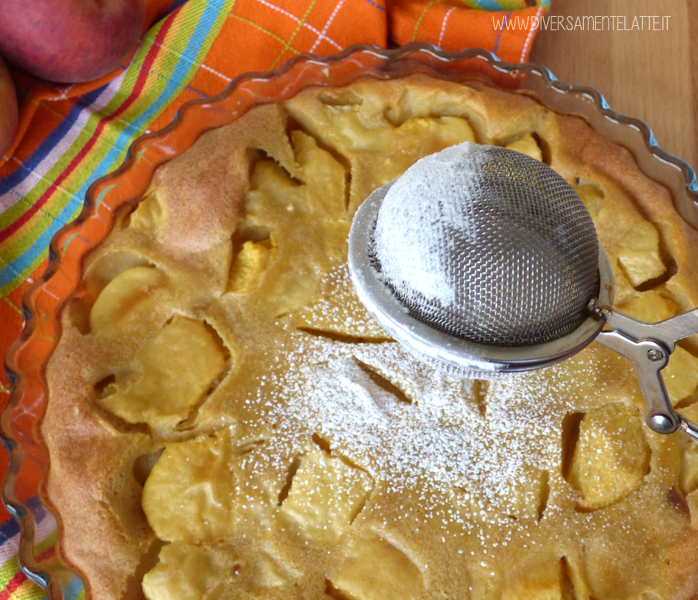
(648, 347)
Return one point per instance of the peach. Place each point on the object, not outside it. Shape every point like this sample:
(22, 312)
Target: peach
(8, 110)
(70, 40)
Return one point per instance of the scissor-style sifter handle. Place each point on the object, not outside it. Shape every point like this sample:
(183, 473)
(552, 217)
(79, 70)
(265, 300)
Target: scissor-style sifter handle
(648, 347)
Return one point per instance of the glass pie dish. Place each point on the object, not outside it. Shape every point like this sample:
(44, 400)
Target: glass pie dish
(27, 359)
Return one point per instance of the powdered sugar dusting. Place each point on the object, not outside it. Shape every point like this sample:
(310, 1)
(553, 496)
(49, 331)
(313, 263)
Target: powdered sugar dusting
(440, 441)
(412, 235)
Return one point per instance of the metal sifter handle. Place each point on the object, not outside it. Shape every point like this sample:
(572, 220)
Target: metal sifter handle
(648, 347)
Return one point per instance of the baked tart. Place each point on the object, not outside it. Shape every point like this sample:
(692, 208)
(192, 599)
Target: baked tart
(226, 421)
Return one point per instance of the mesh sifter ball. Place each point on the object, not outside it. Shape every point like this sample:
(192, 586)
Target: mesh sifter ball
(487, 260)
(492, 259)
(479, 248)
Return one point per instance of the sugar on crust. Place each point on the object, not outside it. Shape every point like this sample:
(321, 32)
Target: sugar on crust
(226, 421)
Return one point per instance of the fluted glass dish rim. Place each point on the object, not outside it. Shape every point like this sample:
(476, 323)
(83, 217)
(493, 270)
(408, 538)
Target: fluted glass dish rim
(27, 358)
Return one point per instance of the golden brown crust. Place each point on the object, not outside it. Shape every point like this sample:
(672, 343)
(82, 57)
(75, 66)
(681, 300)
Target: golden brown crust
(240, 248)
(90, 461)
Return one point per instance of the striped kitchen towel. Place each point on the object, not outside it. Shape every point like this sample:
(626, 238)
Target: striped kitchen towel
(70, 135)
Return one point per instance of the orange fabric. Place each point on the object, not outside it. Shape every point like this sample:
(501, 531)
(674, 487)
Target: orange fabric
(450, 26)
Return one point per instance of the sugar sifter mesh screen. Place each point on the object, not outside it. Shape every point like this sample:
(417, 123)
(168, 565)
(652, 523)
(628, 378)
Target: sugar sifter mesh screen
(488, 245)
